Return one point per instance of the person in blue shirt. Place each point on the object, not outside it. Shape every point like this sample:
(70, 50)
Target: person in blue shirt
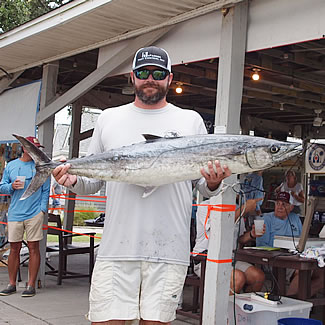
(24, 216)
(253, 188)
(281, 222)
(284, 222)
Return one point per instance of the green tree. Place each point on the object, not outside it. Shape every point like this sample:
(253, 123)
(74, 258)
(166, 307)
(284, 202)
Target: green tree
(17, 12)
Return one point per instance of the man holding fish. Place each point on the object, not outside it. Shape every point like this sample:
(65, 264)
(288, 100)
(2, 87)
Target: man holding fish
(144, 253)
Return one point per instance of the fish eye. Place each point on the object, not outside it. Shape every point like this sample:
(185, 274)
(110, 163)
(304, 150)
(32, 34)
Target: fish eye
(274, 149)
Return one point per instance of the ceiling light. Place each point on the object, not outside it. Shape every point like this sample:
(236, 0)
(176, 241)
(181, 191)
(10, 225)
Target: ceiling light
(255, 75)
(179, 88)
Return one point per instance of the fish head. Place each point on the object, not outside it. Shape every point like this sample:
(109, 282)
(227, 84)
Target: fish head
(270, 153)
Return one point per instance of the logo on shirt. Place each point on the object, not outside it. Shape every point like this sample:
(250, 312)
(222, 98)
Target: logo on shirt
(171, 134)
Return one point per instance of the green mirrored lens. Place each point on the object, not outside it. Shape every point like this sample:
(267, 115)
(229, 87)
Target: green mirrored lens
(159, 74)
(142, 74)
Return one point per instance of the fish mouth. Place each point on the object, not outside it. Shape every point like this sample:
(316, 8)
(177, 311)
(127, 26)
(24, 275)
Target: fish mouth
(293, 149)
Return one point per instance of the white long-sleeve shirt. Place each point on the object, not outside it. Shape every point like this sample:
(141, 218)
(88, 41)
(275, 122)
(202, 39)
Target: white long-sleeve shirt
(155, 228)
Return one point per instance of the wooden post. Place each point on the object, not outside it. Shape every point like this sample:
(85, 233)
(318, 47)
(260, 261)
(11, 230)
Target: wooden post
(306, 225)
(45, 135)
(227, 120)
(74, 144)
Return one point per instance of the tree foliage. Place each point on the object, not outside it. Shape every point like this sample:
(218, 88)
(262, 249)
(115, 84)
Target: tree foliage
(17, 12)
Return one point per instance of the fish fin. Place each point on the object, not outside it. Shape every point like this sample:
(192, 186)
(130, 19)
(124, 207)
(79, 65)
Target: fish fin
(151, 137)
(42, 172)
(37, 181)
(148, 190)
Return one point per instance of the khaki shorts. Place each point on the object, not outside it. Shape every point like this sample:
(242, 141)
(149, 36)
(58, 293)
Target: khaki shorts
(32, 226)
(242, 266)
(132, 290)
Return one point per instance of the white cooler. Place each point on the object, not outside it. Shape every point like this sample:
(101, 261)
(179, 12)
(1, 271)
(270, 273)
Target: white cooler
(254, 312)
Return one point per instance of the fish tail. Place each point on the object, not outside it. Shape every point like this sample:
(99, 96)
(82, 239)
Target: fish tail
(42, 162)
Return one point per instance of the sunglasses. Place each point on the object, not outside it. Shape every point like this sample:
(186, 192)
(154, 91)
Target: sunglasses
(144, 74)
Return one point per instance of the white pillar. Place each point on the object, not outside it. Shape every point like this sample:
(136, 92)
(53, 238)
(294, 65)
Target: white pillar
(227, 120)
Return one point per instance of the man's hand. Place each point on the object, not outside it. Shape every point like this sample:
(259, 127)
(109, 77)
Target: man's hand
(294, 195)
(251, 205)
(214, 178)
(254, 233)
(17, 185)
(61, 175)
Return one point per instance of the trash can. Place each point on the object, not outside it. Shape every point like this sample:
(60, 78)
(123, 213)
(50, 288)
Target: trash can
(298, 321)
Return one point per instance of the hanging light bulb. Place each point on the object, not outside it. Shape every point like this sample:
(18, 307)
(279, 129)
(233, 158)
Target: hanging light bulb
(179, 88)
(255, 75)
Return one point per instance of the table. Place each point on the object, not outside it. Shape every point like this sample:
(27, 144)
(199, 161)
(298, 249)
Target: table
(280, 260)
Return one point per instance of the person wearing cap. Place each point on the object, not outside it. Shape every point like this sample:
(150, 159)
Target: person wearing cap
(291, 185)
(24, 216)
(282, 222)
(145, 248)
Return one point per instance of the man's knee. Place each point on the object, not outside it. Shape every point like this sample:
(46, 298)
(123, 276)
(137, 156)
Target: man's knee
(15, 248)
(33, 247)
(254, 275)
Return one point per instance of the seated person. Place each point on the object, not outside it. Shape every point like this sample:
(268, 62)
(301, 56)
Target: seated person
(245, 273)
(284, 222)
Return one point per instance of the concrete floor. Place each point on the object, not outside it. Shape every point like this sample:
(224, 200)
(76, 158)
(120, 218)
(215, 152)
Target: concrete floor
(53, 304)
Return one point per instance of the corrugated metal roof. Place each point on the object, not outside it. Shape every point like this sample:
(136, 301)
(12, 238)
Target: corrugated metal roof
(83, 25)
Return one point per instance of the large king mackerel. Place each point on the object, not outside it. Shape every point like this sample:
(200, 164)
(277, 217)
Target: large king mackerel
(158, 161)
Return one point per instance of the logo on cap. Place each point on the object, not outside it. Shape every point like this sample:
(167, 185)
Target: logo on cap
(34, 141)
(283, 196)
(151, 55)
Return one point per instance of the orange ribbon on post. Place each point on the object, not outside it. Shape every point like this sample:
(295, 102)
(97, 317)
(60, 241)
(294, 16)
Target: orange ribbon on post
(220, 208)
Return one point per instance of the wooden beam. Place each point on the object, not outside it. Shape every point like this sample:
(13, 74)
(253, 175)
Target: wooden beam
(259, 123)
(85, 135)
(298, 58)
(104, 99)
(6, 81)
(74, 144)
(104, 71)
(292, 101)
(247, 99)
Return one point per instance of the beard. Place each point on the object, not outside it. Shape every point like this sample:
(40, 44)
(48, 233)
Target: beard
(151, 98)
